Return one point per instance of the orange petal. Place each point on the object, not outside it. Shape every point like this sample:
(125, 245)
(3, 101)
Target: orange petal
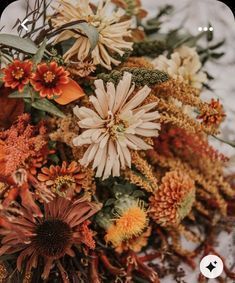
(70, 92)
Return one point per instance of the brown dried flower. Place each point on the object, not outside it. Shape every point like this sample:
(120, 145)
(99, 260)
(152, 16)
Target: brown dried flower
(213, 118)
(81, 69)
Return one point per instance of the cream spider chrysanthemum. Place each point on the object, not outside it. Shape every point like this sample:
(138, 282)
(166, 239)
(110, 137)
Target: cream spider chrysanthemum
(111, 31)
(115, 126)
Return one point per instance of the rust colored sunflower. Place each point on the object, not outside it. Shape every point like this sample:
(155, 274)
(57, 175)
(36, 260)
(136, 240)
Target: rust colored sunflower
(51, 237)
(215, 116)
(173, 200)
(17, 74)
(49, 79)
(64, 180)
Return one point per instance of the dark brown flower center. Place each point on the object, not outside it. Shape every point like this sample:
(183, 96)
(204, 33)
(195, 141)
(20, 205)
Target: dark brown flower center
(52, 238)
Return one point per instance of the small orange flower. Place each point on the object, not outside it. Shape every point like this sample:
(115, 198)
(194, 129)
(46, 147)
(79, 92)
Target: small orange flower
(49, 78)
(63, 180)
(17, 74)
(131, 221)
(136, 243)
(215, 116)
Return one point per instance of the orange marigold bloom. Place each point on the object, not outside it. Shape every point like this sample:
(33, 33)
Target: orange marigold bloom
(17, 74)
(49, 79)
(130, 222)
(136, 243)
(50, 237)
(173, 200)
(214, 117)
(65, 179)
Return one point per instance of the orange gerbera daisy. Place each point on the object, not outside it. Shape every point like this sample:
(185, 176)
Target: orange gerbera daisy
(51, 237)
(52, 81)
(17, 74)
(65, 179)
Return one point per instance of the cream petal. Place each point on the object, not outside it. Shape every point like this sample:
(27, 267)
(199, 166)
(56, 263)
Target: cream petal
(151, 116)
(111, 95)
(98, 157)
(111, 156)
(102, 162)
(84, 112)
(146, 132)
(139, 142)
(84, 160)
(146, 107)
(120, 155)
(104, 140)
(122, 90)
(150, 126)
(138, 98)
(79, 141)
(96, 103)
(91, 123)
(92, 152)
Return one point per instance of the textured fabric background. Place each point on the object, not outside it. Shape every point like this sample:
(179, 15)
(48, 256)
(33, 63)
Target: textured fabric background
(191, 14)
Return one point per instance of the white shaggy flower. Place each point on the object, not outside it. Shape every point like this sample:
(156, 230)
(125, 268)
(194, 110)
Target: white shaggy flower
(184, 64)
(111, 31)
(115, 126)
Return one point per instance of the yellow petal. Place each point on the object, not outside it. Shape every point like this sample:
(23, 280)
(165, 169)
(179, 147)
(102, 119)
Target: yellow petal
(70, 92)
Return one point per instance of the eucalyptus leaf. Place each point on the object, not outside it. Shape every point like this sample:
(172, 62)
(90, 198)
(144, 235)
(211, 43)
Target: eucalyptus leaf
(18, 43)
(37, 58)
(217, 55)
(90, 31)
(217, 45)
(17, 94)
(47, 106)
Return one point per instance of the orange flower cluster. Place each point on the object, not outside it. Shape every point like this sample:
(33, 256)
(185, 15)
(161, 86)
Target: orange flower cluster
(21, 144)
(49, 79)
(173, 200)
(174, 140)
(23, 148)
(214, 117)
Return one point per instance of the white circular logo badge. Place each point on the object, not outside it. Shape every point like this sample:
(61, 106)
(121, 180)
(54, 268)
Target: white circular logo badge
(211, 266)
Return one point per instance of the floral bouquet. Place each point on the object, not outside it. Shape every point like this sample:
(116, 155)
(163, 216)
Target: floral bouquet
(105, 163)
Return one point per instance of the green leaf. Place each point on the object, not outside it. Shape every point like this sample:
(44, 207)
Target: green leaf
(18, 43)
(37, 58)
(66, 44)
(47, 106)
(217, 45)
(217, 55)
(54, 158)
(110, 201)
(90, 31)
(17, 94)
